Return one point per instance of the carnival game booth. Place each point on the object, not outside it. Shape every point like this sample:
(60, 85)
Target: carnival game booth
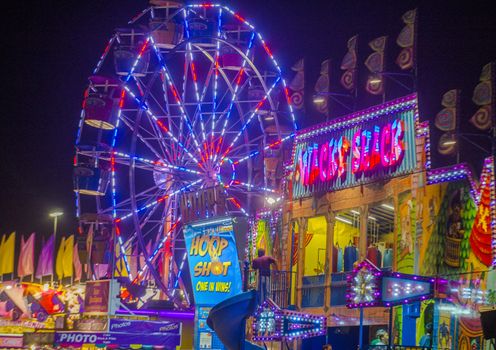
(362, 187)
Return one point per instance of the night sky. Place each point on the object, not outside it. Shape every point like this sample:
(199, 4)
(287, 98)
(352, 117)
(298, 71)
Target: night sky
(49, 49)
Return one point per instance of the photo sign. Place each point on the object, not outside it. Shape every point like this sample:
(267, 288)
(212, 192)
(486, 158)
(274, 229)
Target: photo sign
(363, 147)
(213, 260)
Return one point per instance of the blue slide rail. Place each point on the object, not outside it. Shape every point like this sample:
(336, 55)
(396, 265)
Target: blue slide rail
(228, 318)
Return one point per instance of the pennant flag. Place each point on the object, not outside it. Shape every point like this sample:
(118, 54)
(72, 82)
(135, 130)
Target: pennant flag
(446, 119)
(482, 118)
(68, 256)
(406, 40)
(349, 65)
(2, 245)
(59, 264)
(133, 262)
(322, 88)
(375, 64)
(8, 252)
(480, 237)
(78, 269)
(25, 264)
(120, 264)
(45, 261)
(89, 245)
(297, 85)
(483, 97)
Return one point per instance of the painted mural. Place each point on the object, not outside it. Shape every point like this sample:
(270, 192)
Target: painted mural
(454, 229)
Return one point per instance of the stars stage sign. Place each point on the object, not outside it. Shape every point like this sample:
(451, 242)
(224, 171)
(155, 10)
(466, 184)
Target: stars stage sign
(213, 260)
(360, 148)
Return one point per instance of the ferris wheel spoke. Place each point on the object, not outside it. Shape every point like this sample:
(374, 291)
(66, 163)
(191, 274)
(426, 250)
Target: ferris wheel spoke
(215, 87)
(242, 186)
(123, 206)
(143, 138)
(157, 250)
(190, 58)
(237, 204)
(253, 113)
(169, 82)
(159, 200)
(272, 145)
(237, 79)
(155, 165)
(150, 230)
(162, 126)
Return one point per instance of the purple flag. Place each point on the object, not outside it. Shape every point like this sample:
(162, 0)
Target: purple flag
(45, 261)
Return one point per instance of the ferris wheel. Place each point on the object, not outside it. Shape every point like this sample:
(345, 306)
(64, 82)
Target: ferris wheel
(185, 100)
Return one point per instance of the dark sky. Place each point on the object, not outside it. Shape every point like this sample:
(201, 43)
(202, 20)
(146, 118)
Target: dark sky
(50, 47)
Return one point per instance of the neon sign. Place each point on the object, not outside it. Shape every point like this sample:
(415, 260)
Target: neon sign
(272, 323)
(362, 147)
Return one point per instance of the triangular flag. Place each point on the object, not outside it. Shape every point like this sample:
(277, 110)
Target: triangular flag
(59, 263)
(482, 118)
(446, 119)
(482, 97)
(2, 245)
(297, 85)
(25, 264)
(78, 269)
(375, 64)
(133, 262)
(67, 259)
(406, 40)
(322, 87)
(120, 264)
(45, 261)
(89, 249)
(8, 252)
(349, 65)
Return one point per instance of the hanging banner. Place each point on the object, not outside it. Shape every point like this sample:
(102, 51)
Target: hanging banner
(213, 260)
(377, 143)
(97, 296)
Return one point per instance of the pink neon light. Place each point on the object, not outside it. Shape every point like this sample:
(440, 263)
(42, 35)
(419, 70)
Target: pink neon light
(328, 161)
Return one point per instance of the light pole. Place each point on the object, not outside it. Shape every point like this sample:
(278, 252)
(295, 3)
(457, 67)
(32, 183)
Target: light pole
(54, 214)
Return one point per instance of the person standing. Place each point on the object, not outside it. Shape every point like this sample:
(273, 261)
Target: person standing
(262, 265)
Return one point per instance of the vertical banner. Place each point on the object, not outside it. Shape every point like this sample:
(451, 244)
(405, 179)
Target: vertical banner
(97, 297)
(213, 260)
(214, 269)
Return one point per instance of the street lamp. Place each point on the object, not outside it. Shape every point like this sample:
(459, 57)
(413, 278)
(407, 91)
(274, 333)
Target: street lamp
(55, 214)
